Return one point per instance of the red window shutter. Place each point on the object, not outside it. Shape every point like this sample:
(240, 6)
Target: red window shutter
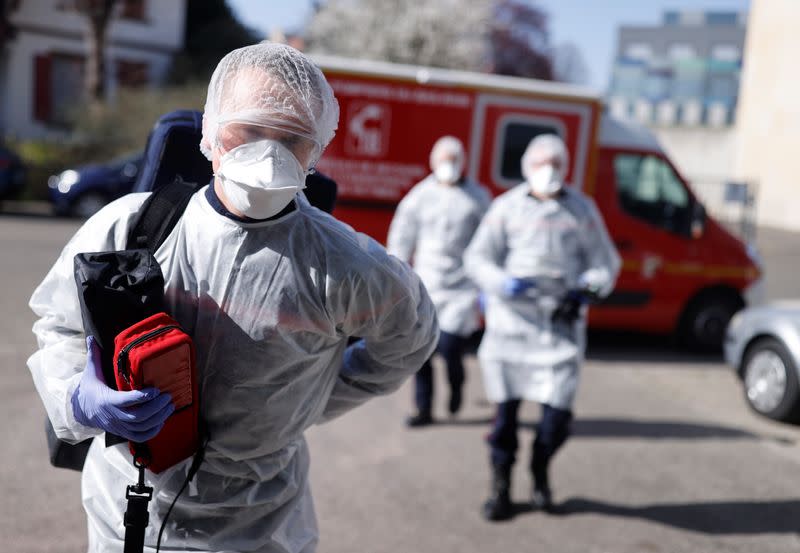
(133, 9)
(132, 74)
(42, 104)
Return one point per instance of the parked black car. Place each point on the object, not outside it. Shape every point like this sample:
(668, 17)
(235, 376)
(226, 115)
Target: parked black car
(82, 191)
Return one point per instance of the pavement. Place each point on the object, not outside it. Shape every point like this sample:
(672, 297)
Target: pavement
(666, 456)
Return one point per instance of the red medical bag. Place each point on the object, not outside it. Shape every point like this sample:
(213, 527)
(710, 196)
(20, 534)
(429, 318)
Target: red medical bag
(156, 353)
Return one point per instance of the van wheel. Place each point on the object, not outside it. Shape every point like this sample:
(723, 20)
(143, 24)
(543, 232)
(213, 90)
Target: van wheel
(706, 319)
(770, 381)
(88, 204)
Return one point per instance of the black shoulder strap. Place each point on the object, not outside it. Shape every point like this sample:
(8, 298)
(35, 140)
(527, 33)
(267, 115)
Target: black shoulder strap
(159, 214)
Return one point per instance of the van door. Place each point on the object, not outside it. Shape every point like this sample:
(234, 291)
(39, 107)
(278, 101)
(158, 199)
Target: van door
(648, 210)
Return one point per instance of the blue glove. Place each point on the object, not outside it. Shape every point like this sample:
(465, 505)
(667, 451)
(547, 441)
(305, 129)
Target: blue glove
(137, 415)
(482, 303)
(514, 287)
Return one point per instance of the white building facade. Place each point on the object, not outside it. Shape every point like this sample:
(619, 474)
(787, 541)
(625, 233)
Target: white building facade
(42, 68)
(769, 112)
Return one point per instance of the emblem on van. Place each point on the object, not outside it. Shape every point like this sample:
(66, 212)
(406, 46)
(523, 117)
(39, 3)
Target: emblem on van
(650, 264)
(367, 129)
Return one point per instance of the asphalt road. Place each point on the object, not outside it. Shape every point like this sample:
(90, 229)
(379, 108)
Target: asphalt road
(665, 458)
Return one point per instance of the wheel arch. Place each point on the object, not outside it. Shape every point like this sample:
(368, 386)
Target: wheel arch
(712, 291)
(685, 328)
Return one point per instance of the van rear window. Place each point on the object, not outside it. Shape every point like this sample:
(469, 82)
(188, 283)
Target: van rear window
(515, 138)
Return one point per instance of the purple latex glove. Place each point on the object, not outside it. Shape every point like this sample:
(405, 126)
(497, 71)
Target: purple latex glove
(137, 415)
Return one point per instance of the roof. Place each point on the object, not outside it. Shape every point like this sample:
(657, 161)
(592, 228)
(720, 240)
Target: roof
(433, 75)
(625, 134)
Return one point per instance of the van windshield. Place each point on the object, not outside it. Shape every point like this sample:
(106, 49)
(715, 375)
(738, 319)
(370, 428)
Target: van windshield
(649, 189)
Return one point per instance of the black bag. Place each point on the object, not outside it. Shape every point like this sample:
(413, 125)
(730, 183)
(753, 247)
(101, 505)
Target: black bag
(117, 289)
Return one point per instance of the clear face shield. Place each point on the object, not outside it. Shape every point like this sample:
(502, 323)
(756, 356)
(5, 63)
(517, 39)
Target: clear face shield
(237, 131)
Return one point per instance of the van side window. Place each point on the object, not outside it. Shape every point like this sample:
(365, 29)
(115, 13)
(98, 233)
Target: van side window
(649, 189)
(515, 138)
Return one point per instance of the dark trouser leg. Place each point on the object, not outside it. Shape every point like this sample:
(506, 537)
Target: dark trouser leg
(423, 387)
(451, 348)
(503, 443)
(551, 433)
(503, 437)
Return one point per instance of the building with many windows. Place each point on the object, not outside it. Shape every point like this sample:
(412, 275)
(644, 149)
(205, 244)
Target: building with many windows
(684, 72)
(42, 67)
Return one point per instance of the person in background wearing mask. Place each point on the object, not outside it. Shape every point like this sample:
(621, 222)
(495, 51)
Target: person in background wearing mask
(431, 228)
(539, 253)
(271, 290)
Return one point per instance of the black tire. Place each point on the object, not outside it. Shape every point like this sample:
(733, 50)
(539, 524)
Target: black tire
(706, 319)
(787, 409)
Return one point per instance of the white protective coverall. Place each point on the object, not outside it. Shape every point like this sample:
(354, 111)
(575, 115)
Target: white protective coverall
(563, 238)
(433, 225)
(270, 307)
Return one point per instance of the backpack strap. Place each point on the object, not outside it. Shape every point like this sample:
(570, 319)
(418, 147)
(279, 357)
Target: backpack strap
(159, 214)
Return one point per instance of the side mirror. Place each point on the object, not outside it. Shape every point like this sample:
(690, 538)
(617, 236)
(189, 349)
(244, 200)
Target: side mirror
(698, 222)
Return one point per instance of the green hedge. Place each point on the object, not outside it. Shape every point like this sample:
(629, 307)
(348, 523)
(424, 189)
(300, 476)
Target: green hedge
(42, 159)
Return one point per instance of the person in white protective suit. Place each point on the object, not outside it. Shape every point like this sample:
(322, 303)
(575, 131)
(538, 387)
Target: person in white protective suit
(431, 228)
(270, 289)
(541, 251)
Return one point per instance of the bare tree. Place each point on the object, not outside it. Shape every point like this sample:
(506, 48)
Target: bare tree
(519, 40)
(445, 33)
(569, 65)
(99, 13)
(6, 28)
(500, 36)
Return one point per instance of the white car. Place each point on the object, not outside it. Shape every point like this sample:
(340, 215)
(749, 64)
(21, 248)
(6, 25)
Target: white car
(763, 346)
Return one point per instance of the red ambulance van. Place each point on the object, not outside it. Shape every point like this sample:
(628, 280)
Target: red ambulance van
(682, 271)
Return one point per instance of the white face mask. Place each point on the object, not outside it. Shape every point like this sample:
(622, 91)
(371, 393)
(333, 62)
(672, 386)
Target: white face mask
(447, 172)
(260, 178)
(545, 181)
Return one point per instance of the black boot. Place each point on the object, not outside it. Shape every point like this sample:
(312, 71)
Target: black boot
(421, 418)
(498, 506)
(541, 496)
(454, 405)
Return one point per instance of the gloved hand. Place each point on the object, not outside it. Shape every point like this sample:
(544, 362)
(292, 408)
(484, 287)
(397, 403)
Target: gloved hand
(137, 415)
(569, 309)
(514, 287)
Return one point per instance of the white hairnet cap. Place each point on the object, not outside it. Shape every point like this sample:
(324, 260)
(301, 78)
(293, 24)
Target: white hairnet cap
(271, 85)
(545, 146)
(447, 145)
